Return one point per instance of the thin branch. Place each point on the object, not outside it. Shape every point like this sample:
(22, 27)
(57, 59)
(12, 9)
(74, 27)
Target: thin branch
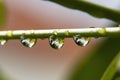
(91, 8)
(64, 33)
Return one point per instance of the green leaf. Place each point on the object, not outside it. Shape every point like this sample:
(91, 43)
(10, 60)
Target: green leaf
(113, 68)
(91, 8)
(95, 66)
(2, 14)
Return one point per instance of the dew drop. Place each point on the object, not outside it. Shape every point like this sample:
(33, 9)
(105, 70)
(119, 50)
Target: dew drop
(81, 41)
(2, 41)
(28, 42)
(56, 42)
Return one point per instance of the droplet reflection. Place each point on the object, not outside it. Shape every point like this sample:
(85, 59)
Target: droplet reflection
(56, 42)
(81, 41)
(28, 42)
(2, 41)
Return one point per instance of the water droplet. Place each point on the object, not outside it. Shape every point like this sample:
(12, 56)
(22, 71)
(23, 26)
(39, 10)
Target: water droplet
(28, 42)
(2, 41)
(56, 42)
(81, 41)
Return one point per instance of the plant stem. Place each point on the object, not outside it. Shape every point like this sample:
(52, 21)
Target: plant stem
(64, 33)
(91, 8)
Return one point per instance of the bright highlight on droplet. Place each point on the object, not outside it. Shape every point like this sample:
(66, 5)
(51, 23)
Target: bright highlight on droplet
(81, 41)
(2, 41)
(56, 42)
(28, 42)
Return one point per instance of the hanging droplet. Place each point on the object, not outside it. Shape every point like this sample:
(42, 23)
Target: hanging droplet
(81, 41)
(56, 42)
(2, 41)
(28, 42)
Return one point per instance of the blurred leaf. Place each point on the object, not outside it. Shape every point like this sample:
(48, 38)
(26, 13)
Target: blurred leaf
(2, 14)
(2, 76)
(96, 64)
(91, 8)
(113, 68)
(118, 78)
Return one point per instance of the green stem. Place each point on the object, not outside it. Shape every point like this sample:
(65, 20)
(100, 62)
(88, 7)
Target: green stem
(91, 8)
(66, 33)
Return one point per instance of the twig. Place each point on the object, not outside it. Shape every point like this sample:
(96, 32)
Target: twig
(64, 33)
